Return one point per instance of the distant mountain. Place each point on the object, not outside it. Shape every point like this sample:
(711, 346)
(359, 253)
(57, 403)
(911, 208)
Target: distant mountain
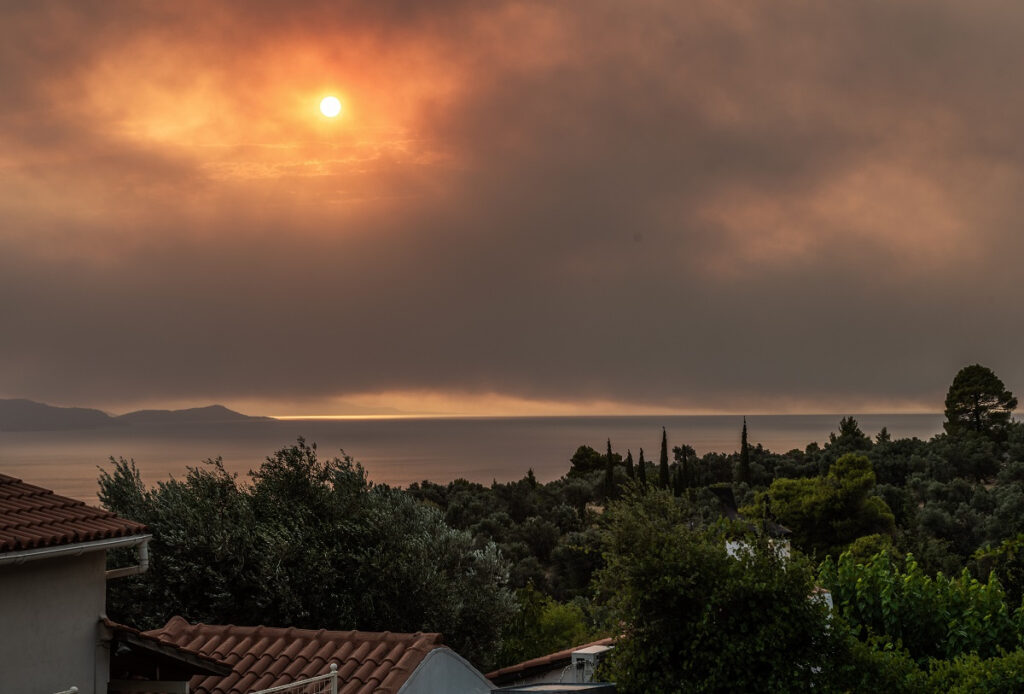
(26, 415)
(214, 414)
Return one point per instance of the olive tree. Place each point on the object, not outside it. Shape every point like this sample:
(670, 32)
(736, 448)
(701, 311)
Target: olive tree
(308, 542)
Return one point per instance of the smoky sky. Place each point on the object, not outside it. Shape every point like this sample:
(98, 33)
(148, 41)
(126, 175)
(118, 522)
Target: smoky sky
(679, 206)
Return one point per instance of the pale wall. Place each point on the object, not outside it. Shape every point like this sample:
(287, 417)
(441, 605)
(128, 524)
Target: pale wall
(443, 671)
(49, 614)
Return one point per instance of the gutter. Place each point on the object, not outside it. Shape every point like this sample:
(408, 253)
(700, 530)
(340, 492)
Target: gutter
(79, 548)
(142, 550)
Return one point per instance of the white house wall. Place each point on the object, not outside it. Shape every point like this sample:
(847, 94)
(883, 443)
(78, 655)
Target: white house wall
(49, 614)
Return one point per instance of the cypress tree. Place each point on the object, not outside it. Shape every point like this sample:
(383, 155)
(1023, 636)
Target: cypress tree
(677, 481)
(663, 479)
(683, 456)
(629, 465)
(642, 472)
(609, 474)
(744, 471)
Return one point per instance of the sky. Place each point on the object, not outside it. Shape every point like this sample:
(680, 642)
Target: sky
(524, 207)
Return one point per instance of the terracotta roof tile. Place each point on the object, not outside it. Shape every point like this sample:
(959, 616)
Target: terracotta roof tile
(119, 629)
(263, 657)
(32, 517)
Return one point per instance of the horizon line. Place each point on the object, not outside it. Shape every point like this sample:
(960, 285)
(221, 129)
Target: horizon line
(335, 417)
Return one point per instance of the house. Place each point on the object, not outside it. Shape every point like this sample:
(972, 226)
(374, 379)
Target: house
(570, 666)
(777, 534)
(54, 634)
(263, 657)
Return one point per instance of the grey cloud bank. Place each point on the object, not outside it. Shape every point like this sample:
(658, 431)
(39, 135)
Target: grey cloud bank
(689, 206)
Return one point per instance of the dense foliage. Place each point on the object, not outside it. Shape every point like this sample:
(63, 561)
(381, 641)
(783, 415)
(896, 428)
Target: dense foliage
(929, 617)
(543, 625)
(309, 543)
(827, 513)
(921, 544)
(694, 618)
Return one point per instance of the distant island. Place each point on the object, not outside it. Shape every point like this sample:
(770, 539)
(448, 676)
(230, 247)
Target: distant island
(27, 415)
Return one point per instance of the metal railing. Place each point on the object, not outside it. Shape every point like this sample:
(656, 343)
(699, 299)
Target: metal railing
(321, 684)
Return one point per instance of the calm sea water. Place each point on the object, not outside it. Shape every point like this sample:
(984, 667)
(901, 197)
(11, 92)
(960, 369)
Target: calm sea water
(401, 451)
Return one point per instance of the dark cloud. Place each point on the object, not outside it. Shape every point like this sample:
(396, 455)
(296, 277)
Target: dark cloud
(680, 205)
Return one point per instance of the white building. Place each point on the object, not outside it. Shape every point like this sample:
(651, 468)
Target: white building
(54, 634)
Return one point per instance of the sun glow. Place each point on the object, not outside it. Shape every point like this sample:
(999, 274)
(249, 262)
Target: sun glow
(330, 106)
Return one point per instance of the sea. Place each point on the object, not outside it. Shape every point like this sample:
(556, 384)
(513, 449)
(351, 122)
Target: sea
(399, 451)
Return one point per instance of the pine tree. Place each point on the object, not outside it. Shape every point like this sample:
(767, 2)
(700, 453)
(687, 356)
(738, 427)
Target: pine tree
(630, 472)
(642, 472)
(663, 479)
(744, 471)
(978, 402)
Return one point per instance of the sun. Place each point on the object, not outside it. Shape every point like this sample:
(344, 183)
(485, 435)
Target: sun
(330, 106)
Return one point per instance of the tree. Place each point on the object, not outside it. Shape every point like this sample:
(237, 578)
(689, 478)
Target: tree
(630, 470)
(1006, 562)
(309, 543)
(686, 458)
(542, 626)
(693, 618)
(585, 460)
(850, 439)
(978, 402)
(663, 479)
(609, 474)
(642, 472)
(827, 513)
(677, 480)
(744, 467)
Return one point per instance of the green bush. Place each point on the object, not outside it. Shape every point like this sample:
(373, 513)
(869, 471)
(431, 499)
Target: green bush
(936, 617)
(971, 674)
(693, 618)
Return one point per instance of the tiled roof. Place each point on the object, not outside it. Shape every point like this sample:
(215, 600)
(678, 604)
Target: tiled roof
(543, 663)
(32, 517)
(192, 658)
(265, 657)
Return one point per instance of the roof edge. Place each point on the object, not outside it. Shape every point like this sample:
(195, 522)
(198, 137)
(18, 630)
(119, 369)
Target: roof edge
(206, 665)
(72, 549)
(541, 663)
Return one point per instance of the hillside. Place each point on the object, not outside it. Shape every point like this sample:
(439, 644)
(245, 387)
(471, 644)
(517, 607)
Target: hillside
(212, 414)
(27, 415)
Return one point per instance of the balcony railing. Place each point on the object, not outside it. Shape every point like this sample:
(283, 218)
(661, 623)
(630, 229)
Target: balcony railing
(321, 684)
